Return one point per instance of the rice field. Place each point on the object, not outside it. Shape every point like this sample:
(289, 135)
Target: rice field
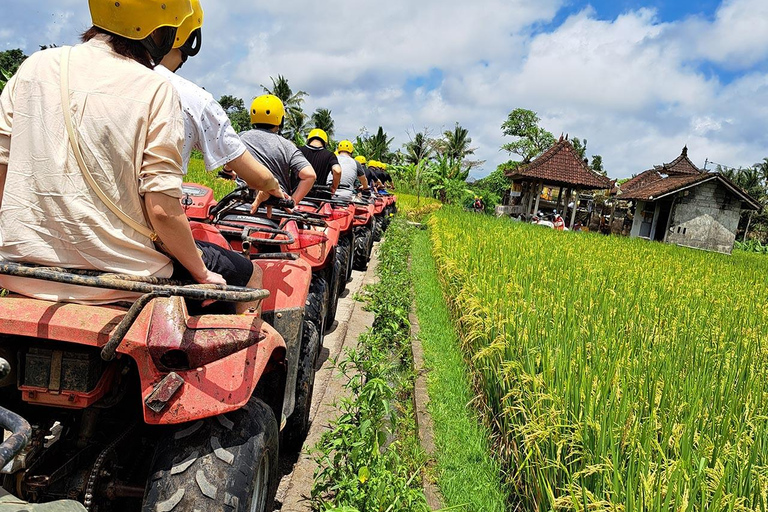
(616, 374)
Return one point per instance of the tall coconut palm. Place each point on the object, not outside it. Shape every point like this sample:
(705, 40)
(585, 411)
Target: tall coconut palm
(322, 119)
(375, 147)
(293, 101)
(295, 118)
(456, 145)
(418, 149)
(296, 128)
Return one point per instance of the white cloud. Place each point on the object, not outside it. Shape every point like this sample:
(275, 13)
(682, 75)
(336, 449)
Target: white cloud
(638, 89)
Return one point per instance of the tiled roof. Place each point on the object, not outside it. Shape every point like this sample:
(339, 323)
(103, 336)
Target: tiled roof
(640, 180)
(681, 165)
(652, 185)
(652, 189)
(561, 165)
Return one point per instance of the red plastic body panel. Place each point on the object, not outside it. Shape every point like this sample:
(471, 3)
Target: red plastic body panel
(208, 233)
(197, 201)
(288, 283)
(363, 215)
(219, 387)
(379, 206)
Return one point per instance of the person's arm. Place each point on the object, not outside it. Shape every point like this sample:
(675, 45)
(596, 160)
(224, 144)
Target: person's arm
(307, 179)
(172, 227)
(255, 174)
(336, 170)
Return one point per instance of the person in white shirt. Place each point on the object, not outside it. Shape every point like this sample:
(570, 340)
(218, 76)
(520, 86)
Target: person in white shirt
(208, 128)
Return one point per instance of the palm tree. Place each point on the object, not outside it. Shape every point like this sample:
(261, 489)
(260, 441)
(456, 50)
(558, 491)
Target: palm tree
(375, 147)
(296, 128)
(281, 89)
(456, 145)
(322, 119)
(418, 149)
(762, 168)
(295, 118)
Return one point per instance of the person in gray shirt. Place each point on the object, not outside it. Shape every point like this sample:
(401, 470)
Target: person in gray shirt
(281, 156)
(351, 171)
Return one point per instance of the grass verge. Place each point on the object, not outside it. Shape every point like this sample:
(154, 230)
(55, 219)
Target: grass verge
(370, 460)
(465, 471)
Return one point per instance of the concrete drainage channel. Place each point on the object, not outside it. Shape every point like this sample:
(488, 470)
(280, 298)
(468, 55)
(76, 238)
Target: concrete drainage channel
(351, 321)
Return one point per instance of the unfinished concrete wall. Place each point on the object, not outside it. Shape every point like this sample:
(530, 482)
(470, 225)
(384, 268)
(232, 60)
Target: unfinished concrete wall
(705, 217)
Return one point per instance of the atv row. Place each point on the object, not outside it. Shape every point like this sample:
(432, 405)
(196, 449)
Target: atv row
(159, 405)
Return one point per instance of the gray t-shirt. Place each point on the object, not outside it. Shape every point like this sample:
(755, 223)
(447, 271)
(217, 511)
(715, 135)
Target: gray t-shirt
(278, 154)
(350, 171)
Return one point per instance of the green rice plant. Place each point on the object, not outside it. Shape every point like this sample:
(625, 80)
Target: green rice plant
(415, 208)
(197, 174)
(616, 374)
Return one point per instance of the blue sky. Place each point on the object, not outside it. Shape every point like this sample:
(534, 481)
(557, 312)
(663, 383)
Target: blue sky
(639, 79)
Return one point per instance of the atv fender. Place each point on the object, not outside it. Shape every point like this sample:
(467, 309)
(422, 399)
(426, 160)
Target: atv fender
(214, 388)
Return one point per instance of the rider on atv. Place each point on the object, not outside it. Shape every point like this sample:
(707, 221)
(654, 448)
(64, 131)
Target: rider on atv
(324, 162)
(351, 171)
(281, 156)
(105, 188)
(208, 128)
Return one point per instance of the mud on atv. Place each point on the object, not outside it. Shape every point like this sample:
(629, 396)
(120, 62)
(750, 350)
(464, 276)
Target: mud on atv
(142, 405)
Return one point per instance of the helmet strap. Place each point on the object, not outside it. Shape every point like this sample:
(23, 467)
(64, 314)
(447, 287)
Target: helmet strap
(159, 50)
(193, 45)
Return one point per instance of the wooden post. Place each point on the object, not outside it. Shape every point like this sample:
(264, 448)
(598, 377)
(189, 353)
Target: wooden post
(746, 231)
(575, 207)
(539, 190)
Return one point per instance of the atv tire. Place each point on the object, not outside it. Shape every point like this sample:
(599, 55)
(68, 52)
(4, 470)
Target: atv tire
(347, 244)
(227, 463)
(297, 427)
(316, 307)
(337, 277)
(363, 241)
(378, 229)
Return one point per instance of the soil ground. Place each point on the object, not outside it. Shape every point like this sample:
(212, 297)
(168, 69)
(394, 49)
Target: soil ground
(351, 322)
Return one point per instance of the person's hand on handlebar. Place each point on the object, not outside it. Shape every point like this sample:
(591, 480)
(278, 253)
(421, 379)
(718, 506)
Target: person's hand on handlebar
(263, 196)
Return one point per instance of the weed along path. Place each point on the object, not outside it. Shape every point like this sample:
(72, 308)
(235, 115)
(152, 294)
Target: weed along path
(351, 321)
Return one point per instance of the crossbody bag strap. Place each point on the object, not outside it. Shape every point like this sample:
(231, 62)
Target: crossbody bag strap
(66, 107)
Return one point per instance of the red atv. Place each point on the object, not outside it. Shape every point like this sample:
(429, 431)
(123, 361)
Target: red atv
(143, 404)
(295, 305)
(312, 239)
(338, 214)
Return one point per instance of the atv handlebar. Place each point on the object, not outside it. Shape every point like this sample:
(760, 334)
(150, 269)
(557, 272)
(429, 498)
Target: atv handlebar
(287, 204)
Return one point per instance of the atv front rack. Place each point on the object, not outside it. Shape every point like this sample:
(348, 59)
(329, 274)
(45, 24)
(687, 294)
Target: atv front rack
(150, 287)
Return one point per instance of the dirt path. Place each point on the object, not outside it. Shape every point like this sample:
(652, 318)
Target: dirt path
(351, 321)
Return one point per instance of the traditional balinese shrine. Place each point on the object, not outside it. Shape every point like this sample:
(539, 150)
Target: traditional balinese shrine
(559, 167)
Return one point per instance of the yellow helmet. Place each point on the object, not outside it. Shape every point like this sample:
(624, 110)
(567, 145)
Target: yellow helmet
(361, 159)
(267, 109)
(137, 19)
(346, 147)
(189, 37)
(374, 163)
(317, 133)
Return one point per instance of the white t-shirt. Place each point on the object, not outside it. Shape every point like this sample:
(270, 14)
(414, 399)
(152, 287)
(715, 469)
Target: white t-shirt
(206, 125)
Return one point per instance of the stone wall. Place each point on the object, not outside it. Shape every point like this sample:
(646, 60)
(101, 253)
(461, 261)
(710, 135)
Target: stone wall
(705, 217)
